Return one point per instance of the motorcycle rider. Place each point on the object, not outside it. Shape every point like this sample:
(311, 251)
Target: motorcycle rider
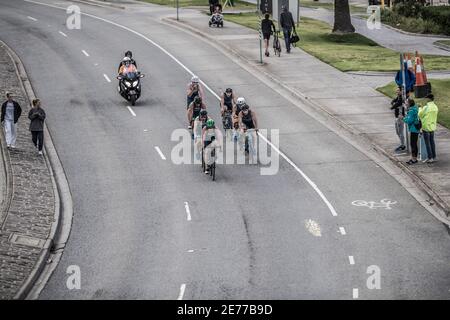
(127, 67)
(194, 89)
(194, 110)
(128, 54)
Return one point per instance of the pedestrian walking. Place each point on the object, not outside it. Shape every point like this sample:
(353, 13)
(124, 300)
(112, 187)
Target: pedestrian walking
(11, 112)
(288, 25)
(428, 117)
(37, 117)
(412, 120)
(267, 28)
(399, 113)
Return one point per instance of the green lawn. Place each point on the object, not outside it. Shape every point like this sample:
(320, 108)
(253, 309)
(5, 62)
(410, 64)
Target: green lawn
(352, 52)
(444, 42)
(197, 3)
(441, 91)
(329, 6)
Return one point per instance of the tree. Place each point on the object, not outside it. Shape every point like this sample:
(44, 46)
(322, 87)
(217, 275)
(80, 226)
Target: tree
(342, 19)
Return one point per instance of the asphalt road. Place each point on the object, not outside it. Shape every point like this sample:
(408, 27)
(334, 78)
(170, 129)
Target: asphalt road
(250, 236)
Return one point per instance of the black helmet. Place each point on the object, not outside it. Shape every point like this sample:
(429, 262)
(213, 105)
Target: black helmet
(197, 100)
(245, 107)
(129, 54)
(203, 113)
(229, 90)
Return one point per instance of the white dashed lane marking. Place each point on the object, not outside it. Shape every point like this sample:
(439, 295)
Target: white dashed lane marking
(355, 293)
(31, 18)
(63, 34)
(85, 53)
(188, 211)
(160, 153)
(351, 259)
(131, 111)
(107, 78)
(182, 289)
(342, 231)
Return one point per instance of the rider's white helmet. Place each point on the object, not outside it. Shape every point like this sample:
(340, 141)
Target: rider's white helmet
(126, 59)
(195, 79)
(240, 101)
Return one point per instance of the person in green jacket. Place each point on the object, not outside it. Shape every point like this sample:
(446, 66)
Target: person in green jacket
(412, 120)
(428, 116)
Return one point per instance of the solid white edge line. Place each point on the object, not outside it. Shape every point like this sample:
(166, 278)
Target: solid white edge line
(63, 34)
(355, 293)
(31, 18)
(351, 259)
(131, 111)
(85, 53)
(342, 230)
(160, 153)
(311, 183)
(182, 289)
(106, 77)
(188, 211)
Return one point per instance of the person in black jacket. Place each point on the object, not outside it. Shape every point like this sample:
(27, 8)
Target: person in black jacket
(399, 113)
(213, 4)
(287, 24)
(11, 112)
(267, 28)
(37, 117)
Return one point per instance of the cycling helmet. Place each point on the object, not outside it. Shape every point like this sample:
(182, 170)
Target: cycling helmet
(229, 90)
(240, 101)
(129, 54)
(197, 100)
(203, 113)
(245, 107)
(210, 123)
(195, 79)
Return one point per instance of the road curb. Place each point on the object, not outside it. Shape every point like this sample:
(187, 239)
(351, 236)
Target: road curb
(8, 176)
(441, 213)
(441, 46)
(100, 3)
(59, 232)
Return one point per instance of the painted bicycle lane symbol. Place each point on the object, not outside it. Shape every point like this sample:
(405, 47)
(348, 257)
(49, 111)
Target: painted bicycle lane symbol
(383, 204)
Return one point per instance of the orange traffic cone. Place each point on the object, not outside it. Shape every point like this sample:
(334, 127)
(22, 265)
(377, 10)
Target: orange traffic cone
(422, 87)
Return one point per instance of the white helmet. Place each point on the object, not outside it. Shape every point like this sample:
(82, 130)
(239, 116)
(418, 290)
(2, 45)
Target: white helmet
(126, 59)
(195, 79)
(240, 101)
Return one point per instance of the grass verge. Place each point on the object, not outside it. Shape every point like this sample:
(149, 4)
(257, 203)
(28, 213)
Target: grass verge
(352, 52)
(441, 93)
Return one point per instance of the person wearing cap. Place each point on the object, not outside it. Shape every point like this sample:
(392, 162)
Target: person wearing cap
(194, 89)
(199, 124)
(428, 117)
(287, 24)
(212, 138)
(10, 114)
(399, 113)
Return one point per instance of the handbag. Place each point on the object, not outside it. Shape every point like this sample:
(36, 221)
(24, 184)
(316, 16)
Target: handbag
(294, 38)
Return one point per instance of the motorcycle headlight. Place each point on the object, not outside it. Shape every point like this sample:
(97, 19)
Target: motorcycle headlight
(135, 83)
(128, 84)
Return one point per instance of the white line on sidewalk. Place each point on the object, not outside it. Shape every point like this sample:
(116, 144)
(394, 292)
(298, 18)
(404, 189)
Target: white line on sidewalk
(85, 53)
(63, 34)
(182, 288)
(106, 77)
(342, 231)
(31, 18)
(160, 153)
(131, 110)
(355, 293)
(188, 211)
(351, 259)
(311, 183)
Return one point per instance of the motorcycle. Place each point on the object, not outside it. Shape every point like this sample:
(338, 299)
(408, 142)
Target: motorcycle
(130, 86)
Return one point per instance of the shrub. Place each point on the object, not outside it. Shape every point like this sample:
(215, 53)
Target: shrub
(438, 15)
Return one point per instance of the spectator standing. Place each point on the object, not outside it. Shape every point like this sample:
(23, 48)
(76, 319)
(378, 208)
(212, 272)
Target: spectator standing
(37, 117)
(412, 120)
(428, 117)
(287, 24)
(10, 114)
(399, 113)
(410, 79)
(267, 28)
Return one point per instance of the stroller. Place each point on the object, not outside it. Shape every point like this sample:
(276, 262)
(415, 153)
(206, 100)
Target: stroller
(216, 19)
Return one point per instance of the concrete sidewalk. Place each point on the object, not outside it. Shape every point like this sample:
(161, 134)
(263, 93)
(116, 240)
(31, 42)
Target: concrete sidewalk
(27, 208)
(352, 104)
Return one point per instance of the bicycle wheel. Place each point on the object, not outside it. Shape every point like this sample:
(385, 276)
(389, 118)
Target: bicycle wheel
(203, 162)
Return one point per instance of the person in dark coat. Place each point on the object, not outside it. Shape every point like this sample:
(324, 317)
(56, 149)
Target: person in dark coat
(410, 79)
(267, 28)
(287, 24)
(37, 117)
(11, 112)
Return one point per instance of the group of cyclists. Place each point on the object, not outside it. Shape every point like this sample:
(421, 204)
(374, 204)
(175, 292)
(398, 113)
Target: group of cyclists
(237, 119)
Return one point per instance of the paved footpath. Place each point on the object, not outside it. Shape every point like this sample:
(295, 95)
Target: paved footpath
(27, 204)
(356, 106)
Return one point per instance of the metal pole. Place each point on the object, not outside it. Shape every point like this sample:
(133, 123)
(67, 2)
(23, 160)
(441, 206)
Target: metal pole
(177, 8)
(405, 129)
(260, 41)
